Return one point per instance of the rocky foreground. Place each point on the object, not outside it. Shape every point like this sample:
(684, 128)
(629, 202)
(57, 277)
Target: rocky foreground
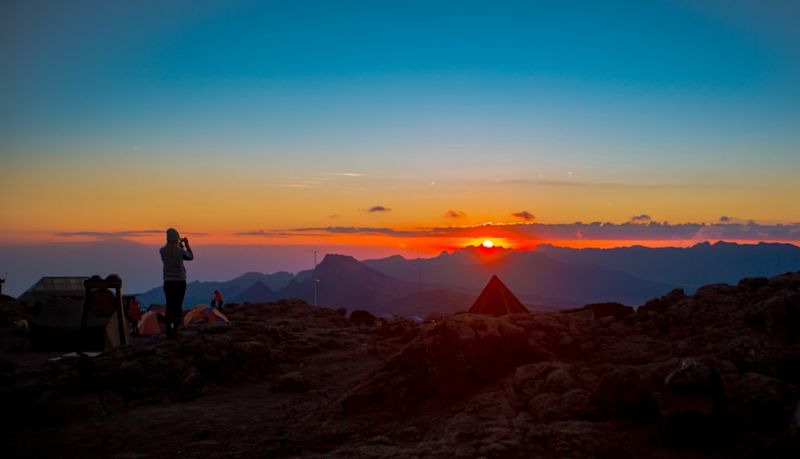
(715, 374)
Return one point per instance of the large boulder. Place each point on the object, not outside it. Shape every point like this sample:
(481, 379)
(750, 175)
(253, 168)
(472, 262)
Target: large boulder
(360, 317)
(449, 361)
(663, 303)
(625, 392)
(691, 414)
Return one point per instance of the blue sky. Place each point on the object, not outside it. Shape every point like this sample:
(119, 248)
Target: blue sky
(621, 92)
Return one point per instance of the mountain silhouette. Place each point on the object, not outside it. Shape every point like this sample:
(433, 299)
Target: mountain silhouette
(198, 292)
(259, 292)
(535, 277)
(691, 267)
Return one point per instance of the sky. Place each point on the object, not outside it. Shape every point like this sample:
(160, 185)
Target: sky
(410, 126)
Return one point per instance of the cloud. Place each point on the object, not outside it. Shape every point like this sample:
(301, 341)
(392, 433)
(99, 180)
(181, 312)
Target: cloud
(642, 219)
(345, 174)
(455, 214)
(378, 209)
(108, 234)
(725, 219)
(545, 232)
(523, 215)
(117, 235)
(600, 185)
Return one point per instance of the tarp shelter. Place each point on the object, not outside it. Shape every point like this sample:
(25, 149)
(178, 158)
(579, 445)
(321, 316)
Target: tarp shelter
(497, 300)
(204, 313)
(53, 287)
(57, 324)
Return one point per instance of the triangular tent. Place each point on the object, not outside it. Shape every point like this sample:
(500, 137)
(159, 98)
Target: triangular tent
(203, 313)
(496, 300)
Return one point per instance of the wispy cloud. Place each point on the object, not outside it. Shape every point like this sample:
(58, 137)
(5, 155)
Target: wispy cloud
(108, 234)
(455, 214)
(523, 215)
(598, 185)
(378, 209)
(345, 174)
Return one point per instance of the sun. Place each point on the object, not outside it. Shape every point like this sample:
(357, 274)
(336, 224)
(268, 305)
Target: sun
(487, 244)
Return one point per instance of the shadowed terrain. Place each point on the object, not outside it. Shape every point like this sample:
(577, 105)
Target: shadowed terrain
(717, 373)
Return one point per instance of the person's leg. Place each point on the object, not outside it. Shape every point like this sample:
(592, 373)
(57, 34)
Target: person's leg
(180, 287)
(170, 295)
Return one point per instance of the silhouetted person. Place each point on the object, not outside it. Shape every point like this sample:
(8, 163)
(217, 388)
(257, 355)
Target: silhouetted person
(2, 281)
(217, 301)
(173, 254)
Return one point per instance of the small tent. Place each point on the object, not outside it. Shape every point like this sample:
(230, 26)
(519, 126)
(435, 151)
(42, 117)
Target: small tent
(497, 300)
(203, 313)
(152, 323)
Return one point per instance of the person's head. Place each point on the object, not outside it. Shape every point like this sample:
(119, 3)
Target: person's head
(173, 244)
(173, 236)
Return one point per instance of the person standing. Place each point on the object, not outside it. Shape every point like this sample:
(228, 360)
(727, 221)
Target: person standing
(217, 301)
(173, 254)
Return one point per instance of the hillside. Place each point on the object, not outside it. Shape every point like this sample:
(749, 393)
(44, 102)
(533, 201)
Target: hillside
(709, 375)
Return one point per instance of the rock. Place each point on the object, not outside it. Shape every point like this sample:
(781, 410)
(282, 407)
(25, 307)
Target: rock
(292, 382)
(762, 403)
(625, 392)
(449, 361)
(753, 283)
(601, 310)
(360, 317)
(662, 304)
(691, 414)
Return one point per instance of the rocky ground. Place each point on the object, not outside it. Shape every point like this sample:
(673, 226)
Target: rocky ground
(712, 375)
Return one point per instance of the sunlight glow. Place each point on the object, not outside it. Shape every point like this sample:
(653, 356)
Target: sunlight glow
(487, 244)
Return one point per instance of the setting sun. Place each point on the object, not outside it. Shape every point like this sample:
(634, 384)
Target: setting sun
(487, 244)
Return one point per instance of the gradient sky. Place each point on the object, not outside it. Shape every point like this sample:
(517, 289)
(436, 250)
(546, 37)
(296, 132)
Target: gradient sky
(243, 122)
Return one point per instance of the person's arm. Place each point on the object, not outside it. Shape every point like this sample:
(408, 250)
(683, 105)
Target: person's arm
(187, 251)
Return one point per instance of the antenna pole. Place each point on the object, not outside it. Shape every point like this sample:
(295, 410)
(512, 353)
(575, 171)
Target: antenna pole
(314, 280)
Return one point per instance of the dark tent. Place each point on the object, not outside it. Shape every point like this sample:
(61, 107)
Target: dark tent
(497, 300)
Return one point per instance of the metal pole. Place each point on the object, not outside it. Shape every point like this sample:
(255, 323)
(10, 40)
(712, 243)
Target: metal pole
(314, 280)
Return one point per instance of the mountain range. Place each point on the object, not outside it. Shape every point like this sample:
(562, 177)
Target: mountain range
(546, 278)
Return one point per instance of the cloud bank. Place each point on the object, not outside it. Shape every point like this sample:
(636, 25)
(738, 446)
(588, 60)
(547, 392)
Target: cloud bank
(638, 229)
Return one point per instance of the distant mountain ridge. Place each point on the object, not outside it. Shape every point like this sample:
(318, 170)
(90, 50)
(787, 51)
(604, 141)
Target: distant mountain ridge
(533, 276)
(547, 278)
(198, 292)
(692, 267)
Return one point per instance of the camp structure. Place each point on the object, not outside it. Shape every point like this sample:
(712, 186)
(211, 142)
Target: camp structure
(203, 313)
(59, 305)
(51, 288)
(496, 300)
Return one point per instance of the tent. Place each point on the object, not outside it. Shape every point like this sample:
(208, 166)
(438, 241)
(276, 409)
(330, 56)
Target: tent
(152, 323)
(204, 313)
(497, 300)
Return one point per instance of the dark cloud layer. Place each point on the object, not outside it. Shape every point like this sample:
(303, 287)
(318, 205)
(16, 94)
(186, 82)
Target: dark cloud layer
(630, 231)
